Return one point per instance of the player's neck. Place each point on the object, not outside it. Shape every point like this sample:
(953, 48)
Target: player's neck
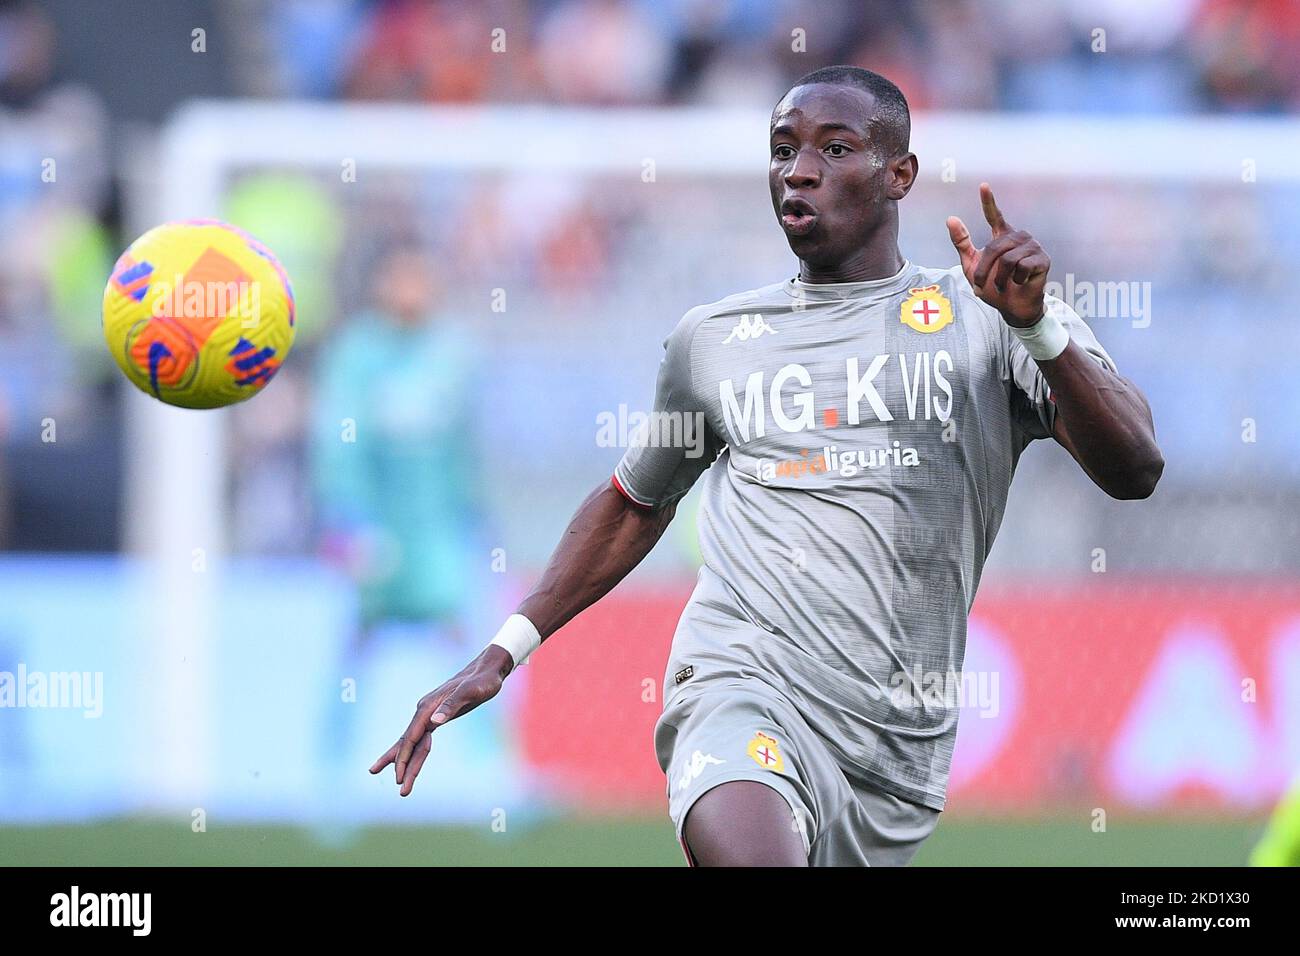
(863, 266)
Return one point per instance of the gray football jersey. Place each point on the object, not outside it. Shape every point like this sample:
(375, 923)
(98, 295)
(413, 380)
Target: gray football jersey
(862, 438)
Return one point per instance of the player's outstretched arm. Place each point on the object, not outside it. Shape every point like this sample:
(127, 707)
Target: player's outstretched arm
(605, 540)
(1102, 418)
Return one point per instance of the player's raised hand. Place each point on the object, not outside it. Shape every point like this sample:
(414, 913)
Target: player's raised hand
(478, 681)
(1010, 272)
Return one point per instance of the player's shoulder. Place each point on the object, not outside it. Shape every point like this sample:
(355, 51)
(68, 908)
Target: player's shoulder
(727, 309)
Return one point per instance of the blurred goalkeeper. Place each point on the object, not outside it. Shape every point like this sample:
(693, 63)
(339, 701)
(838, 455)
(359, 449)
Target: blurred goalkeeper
(861, 424)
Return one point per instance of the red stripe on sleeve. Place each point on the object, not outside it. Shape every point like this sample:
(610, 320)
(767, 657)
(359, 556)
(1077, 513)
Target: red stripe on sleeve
(613, 480)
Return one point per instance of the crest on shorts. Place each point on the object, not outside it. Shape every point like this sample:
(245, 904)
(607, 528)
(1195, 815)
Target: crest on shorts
(926, 310)
(766, 752)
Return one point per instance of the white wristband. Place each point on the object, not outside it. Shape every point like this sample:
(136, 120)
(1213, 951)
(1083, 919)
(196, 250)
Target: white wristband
(1046, 338)
(519, 637)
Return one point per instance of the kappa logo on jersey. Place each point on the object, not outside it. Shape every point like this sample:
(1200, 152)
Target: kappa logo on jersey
(926, 310)
(749, 327)
(766, 752)
(699, 761)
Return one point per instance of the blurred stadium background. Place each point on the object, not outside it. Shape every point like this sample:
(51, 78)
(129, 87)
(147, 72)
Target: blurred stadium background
(487, 232)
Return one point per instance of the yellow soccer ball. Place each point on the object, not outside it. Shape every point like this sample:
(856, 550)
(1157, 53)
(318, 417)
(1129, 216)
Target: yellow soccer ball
(199, 314)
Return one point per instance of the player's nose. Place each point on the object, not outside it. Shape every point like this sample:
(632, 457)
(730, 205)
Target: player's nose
(802, 172)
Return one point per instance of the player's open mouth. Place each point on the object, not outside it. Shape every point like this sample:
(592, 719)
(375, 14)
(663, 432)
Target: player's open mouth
(798, 217)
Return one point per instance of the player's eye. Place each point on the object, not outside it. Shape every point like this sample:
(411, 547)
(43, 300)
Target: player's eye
(783, 152)
(837, 149)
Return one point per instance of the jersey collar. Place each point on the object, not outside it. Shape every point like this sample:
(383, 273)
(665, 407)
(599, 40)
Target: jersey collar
(837, 291)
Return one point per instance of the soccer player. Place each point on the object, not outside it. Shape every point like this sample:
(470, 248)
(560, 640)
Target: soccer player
(861, 426)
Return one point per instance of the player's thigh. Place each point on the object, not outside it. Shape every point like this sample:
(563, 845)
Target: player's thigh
(742, 823)
(730, 732)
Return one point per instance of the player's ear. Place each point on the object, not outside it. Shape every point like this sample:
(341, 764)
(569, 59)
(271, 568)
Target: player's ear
(902, 174)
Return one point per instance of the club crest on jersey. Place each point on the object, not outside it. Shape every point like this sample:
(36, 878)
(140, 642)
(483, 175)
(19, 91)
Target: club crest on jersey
(766, 752)
(926, 310)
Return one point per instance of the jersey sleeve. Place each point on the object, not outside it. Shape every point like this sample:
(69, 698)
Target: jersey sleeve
(676, 444)
(1032, 408)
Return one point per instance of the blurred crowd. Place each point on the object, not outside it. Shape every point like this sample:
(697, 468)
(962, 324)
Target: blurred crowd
(1156, 56)
(78, 117)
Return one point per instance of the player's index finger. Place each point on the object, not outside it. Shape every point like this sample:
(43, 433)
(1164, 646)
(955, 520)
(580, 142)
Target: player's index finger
(992, 214)
(958, 232)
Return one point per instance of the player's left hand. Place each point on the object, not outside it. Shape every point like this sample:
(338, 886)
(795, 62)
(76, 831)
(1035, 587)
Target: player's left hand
(1010, 273)
(478, 681)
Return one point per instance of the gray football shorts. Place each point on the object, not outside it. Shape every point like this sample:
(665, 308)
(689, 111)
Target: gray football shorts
(718, 731)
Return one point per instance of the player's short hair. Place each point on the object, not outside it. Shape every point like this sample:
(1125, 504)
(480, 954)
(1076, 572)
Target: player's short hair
(892, 119)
